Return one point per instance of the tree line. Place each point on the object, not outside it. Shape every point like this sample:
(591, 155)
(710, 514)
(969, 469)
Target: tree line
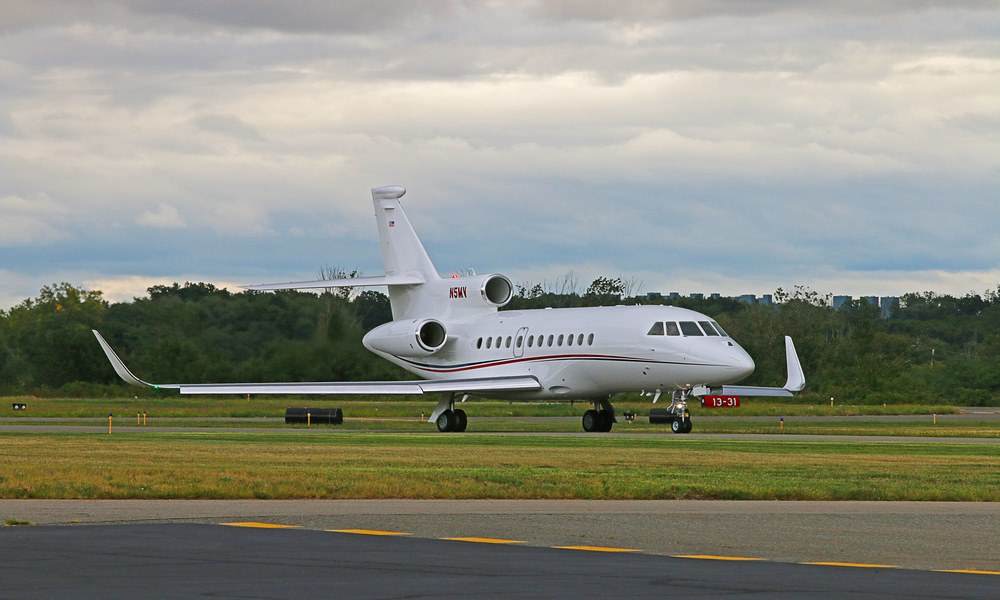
(933, 348)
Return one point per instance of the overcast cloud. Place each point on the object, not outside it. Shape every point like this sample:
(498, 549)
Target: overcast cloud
(695, 146)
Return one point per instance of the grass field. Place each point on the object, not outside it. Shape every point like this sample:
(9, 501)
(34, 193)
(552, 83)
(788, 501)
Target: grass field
(188, 407)
(387, 465)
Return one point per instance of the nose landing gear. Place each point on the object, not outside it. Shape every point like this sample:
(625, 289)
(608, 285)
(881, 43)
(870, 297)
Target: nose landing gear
(679, 414)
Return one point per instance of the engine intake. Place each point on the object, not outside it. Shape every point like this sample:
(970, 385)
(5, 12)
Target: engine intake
(497, 290)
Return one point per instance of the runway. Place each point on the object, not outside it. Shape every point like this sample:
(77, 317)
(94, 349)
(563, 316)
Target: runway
(911, 535)
(189, 561)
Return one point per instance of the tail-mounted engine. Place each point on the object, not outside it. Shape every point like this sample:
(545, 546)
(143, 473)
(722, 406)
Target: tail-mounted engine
(410, 337)
(488, 291)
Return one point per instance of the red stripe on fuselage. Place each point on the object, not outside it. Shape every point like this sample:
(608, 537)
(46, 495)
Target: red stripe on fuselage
(548, 358)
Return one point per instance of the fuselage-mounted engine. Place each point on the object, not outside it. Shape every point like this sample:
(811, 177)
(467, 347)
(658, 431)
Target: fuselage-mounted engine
(408, 337)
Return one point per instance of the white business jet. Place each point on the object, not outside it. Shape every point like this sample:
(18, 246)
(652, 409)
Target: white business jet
(449, 332)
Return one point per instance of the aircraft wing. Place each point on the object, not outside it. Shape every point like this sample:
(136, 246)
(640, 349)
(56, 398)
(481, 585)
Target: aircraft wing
(332, 283)
(795, 383)
(482, 385)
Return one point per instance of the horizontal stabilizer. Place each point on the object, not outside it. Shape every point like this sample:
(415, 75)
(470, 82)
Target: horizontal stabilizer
(333, 283)
(469, 386)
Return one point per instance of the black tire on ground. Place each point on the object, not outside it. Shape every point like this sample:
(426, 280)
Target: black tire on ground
(591, 421)
(461, 421)
(677, 426)
(687, 426)
(607, 420)
(446, 421)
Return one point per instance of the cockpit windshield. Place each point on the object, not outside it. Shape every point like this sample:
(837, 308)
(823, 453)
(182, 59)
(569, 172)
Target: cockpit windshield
(691, 328)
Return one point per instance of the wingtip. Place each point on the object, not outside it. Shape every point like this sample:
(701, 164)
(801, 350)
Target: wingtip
(118, 364)
(796, 378)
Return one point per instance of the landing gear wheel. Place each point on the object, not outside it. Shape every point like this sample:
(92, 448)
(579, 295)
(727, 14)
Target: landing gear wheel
(462, 421)
(677, 426)
(446, 421)
(607, 420)
(687, 426)
(591, 421)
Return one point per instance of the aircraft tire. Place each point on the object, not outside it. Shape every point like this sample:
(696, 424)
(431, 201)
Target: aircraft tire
(687, 426)
(677, 426)
(461, 421)
(446, 421)
(607, 420)
(591, 421)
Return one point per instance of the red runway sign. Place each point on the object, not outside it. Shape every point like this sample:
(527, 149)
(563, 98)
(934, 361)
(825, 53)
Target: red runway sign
(721, 401)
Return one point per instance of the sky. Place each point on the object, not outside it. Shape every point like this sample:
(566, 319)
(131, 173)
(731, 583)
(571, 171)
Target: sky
(852, 147)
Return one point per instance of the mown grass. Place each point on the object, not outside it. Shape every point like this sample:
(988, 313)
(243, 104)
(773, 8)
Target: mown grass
(360, 465)
(206, 407)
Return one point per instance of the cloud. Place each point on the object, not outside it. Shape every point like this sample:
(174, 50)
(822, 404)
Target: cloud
(164, 217)
(30, 221)
(714, 140)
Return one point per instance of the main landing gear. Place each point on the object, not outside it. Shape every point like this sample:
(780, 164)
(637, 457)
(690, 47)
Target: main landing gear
(452, 420)
(448, 418)
(601, 418)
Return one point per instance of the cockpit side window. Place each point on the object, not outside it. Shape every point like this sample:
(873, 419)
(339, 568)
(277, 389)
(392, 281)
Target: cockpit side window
(709, 330)
(690, 328)
(719, 328)
(672, 328)
(656, 329)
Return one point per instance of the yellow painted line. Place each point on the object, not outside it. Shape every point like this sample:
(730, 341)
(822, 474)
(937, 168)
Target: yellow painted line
(367, 532)
(596, 549)
(479, 540)
(714, 557)
(261, 525)
(968, 571)
(847, 564)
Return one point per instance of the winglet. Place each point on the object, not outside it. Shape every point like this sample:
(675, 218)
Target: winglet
(796, 378)
(119, 366)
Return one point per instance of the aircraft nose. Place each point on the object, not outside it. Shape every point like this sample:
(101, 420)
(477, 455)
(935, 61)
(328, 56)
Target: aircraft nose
(743, 363)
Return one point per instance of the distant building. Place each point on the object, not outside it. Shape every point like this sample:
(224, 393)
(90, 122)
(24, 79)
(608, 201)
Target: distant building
(766, 299)
(839, 301)
(871, 300)
(697, 296)
(674, 295)
(716, 296)
(748, 299)
(653, 296)
(888, 305)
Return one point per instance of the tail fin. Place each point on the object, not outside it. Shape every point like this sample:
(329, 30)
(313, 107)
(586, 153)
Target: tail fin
(402, 252)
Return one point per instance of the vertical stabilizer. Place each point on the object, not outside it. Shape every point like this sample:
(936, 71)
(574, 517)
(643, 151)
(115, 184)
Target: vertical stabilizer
(402, 251)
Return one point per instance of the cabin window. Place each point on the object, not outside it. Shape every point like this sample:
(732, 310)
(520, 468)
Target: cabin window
(479, 344)
(520, 341)
(550, 341)
(719, 328)
(531, 341)
(559, 341)
(579, 340)
(498, 342)
(489, 342)
(672, 328)
(569, 340)
(590, 340)
(709, 330)
(690, 328)
(507, 344)
(656, 329)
